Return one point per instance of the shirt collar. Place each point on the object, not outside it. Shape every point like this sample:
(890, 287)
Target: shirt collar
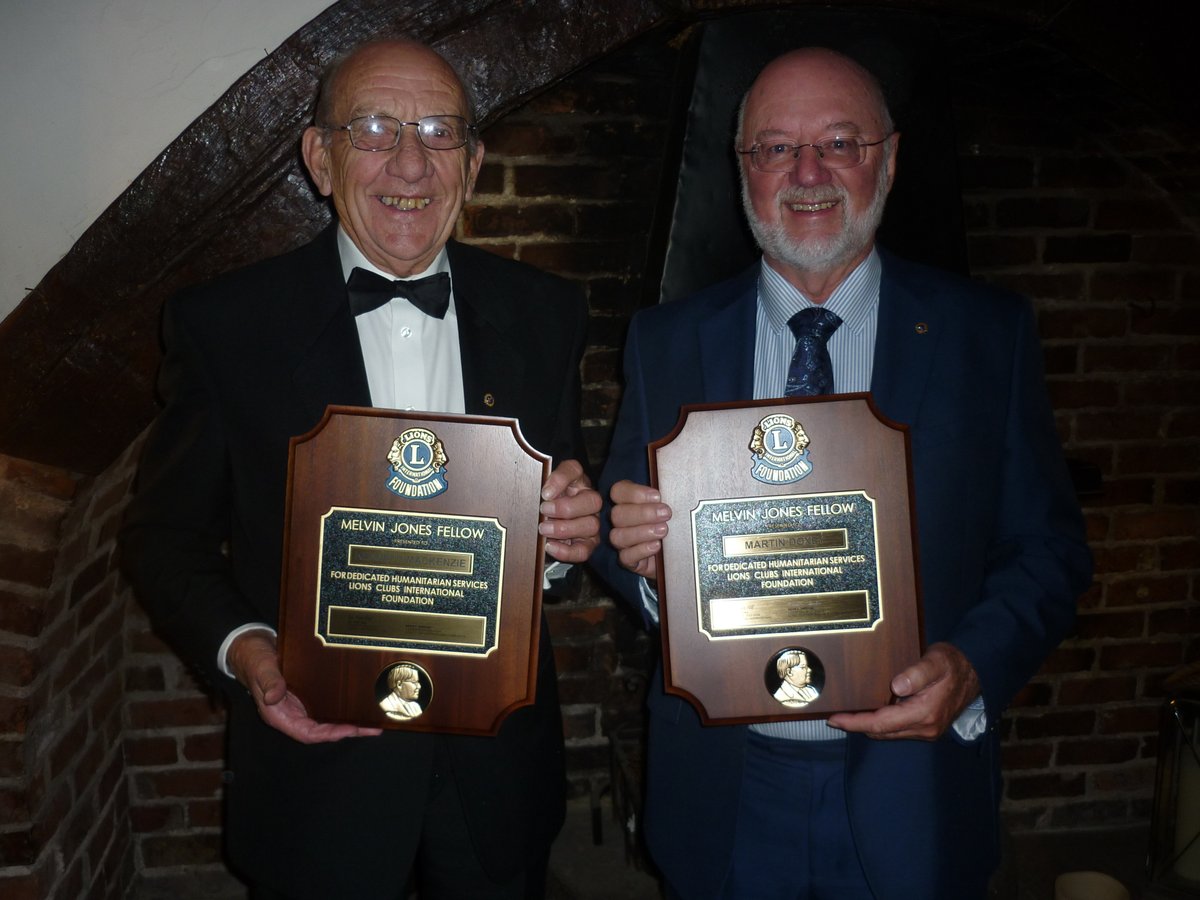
(353, 258)
(854, 300)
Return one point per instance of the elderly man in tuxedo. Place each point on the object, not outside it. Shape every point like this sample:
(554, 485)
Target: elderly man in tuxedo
(320, 809)
(899, 803)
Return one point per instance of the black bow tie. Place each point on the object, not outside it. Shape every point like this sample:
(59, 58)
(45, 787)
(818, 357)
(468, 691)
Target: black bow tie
(369, 291)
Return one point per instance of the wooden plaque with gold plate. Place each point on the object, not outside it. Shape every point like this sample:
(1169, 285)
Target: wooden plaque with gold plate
(412, 580)
(787, 584)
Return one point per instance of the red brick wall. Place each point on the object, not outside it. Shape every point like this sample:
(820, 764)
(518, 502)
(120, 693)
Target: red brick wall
(1085, 199)
(110, 760)
(174, 750)
(63, 798)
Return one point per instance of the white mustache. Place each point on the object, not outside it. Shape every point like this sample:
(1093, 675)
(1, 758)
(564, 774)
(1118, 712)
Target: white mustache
(805, 195)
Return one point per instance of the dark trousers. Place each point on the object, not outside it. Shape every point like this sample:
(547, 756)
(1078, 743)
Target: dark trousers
(446, 866)
(793, 838)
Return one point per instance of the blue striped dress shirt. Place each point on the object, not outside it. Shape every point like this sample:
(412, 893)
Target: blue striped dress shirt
(852, 350)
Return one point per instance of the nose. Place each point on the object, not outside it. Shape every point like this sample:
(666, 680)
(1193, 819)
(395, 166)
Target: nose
(808, 168)
(409, 159)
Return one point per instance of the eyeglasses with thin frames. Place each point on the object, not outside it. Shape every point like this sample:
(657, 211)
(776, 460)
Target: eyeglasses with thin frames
(834, 153)
(376, 133)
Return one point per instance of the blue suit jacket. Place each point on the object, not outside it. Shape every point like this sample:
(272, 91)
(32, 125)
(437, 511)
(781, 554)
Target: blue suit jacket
(1002, 561)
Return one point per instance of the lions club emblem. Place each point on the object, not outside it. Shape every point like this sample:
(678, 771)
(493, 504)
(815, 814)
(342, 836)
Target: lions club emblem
(418, 465)
(780, 451)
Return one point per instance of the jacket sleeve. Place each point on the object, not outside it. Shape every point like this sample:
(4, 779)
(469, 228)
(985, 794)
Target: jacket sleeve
(174, 538)
(563, 580)
(1036, 562)
(627, 459)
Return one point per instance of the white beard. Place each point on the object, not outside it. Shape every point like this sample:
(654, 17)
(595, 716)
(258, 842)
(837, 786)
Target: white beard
(819, 254)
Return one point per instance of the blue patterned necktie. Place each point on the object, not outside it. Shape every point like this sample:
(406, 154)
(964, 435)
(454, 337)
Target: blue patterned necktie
(811, 371)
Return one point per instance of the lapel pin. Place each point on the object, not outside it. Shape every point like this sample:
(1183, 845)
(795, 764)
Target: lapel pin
(489, 400)
(922, 328)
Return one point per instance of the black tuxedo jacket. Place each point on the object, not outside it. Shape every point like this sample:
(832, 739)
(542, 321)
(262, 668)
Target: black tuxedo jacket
(253, 359)
(1002, 561)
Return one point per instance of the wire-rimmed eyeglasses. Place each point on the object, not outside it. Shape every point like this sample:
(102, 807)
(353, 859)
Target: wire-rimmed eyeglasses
(375, 133)
(834, 153)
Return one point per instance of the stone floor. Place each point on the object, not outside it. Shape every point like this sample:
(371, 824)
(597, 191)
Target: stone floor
(582, 869)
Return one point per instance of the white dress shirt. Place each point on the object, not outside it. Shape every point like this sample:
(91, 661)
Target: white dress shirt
(413, 360)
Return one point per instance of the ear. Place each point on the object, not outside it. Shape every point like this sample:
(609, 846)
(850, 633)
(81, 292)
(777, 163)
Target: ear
(473, 166)
(315, 150)
(891, 163)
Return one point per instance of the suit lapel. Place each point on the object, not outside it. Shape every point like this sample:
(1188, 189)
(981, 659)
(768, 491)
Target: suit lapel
(329, 367)
(727, 344)
(910, 328)
(490, 320)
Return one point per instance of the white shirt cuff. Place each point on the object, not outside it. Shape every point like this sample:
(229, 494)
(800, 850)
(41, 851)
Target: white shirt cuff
(554, 570)
(649, 598)
(223, 650)
(972, 721)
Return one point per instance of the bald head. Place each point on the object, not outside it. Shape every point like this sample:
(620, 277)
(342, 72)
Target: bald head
(821, 71)
(336, 69)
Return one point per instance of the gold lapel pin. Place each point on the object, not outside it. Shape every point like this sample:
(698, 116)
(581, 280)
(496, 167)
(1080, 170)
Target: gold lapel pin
(922, 328)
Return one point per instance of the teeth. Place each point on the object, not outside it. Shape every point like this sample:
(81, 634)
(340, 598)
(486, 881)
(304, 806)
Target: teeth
(813, 207)
(406, 202)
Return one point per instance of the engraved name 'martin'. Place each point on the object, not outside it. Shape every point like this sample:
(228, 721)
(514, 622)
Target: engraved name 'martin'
(782, 512)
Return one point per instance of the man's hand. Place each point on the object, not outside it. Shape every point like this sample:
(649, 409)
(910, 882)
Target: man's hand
(932, 693)
(639, 519)
(571, 507)
(254, 662)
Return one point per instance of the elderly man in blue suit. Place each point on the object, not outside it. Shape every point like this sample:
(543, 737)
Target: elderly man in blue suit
(900, 803)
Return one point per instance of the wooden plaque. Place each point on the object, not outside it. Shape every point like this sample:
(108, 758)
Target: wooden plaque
(787, 584)
(412, 579)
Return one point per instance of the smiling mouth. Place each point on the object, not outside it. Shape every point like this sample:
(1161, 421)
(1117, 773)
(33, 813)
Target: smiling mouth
(406, 202)
(812, 207)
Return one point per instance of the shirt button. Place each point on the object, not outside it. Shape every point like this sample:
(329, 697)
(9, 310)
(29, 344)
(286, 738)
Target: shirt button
(405, 332)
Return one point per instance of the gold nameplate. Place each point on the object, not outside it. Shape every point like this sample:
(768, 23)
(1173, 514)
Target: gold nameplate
(411, 560)
(784, 542)
(407, 627)
(789, 615)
